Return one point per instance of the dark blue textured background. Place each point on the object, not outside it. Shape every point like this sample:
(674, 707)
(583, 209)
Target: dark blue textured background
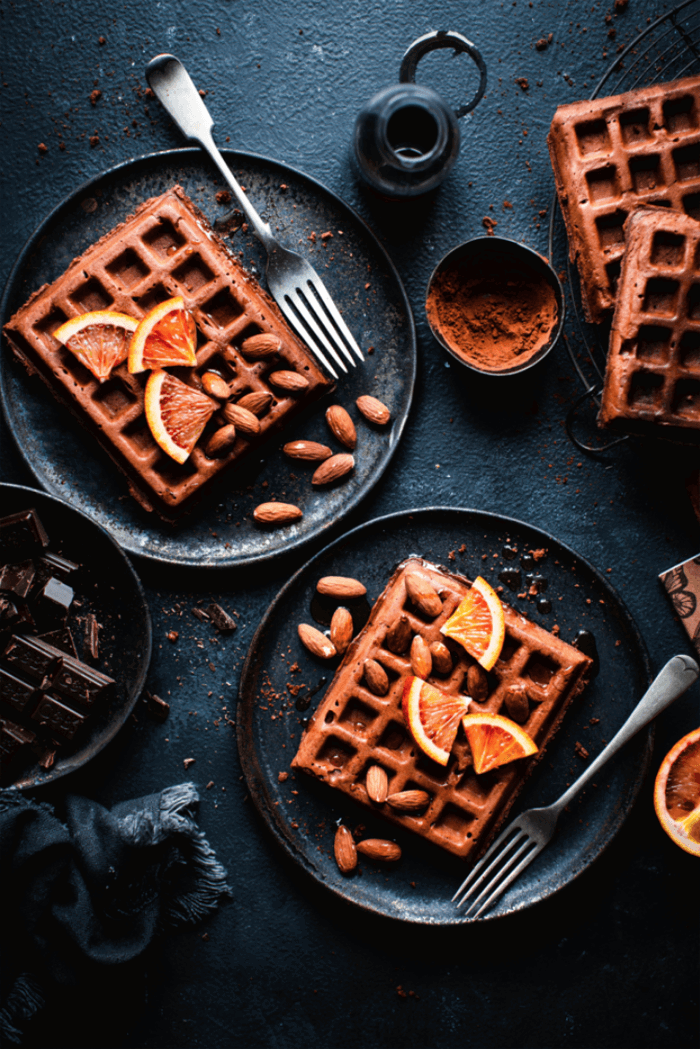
(610, 961)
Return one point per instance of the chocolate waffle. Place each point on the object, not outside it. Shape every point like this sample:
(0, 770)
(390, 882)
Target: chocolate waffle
(166, 248)
(652, 377)
(613, 155)
(354, 729)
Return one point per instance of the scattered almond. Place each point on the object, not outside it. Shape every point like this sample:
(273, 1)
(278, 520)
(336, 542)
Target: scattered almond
(376, 677)
(422, 594)
(257, 402)
(517, 703)
(477, 683)
(378, 849)
(277, 513)
(373, 410)
(345, 850)
(311, 451)
(342, 426)
(409, 800)
(377, 783)
(317, 643)
(243, 419)
(399, 635)
(333, 469)
(293, 382)
(259, 346)
(342, 629)
(341, 587)
(442, 658)
(220, 442)
(421, 659)
(215, 386)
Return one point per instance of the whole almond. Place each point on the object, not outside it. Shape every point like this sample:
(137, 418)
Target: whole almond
(378, 849)
(376, 677)
(442, 658)
(256, 402)
(277, 513)
(421, 659)
(220, 442)
(259, 346)
(341, 586)
(342, 426)
(317, 643)
(399, 635)
(244, 420)
(333, 469)
(477, 683)
(345, 850)
(409, 800)
(311, 451)
(517, 704)
(377, 784)
(342, 629)
(373, 410)
(215, 386)
(293, 382)
(423, 595)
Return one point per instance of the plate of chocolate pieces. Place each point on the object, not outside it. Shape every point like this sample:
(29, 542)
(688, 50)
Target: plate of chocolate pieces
(75, 638)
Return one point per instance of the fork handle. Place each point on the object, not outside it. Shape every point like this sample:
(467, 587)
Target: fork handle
(671, 682)
(174, 89)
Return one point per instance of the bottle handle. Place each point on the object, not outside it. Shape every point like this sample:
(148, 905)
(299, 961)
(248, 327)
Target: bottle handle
(432, 42)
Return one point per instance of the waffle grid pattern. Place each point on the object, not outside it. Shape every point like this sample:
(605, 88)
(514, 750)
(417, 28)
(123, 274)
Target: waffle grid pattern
(354, 729)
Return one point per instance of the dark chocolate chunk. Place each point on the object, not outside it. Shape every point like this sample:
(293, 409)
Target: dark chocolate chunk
(57, 718)
(60, 594)
(200, 614)
(15, 691)
(32, 657)
(56, 670)
(79, 682)
(59, 566)
(17, 578)
(61, 638)
(22, 535)
(12, 738)
(223, 622)
(92, 636)
(157, 706)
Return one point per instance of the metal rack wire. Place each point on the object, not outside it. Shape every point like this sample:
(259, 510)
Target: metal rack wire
(667, 49)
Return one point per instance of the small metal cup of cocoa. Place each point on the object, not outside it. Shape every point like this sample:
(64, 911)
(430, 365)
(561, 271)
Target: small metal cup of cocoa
(495, 305)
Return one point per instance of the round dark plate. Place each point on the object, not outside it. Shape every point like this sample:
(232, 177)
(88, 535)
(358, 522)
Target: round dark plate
(66, 461)
(106, 585)
(469, 542)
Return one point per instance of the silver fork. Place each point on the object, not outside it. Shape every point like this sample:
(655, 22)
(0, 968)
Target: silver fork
(295, 285)
(527, 835)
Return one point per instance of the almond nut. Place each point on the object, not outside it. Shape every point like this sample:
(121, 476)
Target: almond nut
(277, 513)
(421, 659)
(293, 382)
(377, 784)
(341, 587)
(373, 410)
(376, 677)
(423, 595)
(259, 346)
(342, 426)
(378, 849)
(257, 402)
(311, 451)
(317, 643)
(220, 442)
(215, 386)
(244, 420)
(516, 703)
(342, 629)
(442, 658)
(345, 850)
(477, 683)
(398, 636)
(409, 800)
(334, 468)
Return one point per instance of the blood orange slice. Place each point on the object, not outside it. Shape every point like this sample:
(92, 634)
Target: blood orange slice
(176, 414)
(433, 717)
(677, 793)
(495, 740)
(478, 623)
(99, 339)
(167, 336)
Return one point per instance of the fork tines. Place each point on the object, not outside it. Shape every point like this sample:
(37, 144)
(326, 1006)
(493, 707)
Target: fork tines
(513, 844)
(311, 310)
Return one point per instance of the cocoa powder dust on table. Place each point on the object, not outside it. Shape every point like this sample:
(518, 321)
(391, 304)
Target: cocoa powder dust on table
(492, 315)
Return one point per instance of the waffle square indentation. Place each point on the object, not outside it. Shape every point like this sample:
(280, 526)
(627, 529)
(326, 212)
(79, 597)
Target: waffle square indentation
(336, 752)
(653, 343)
(645, 390)
(667, 249)
(540, 669)
(603, 183)
(394, 737)
(660, 296)
(53, 319)
(128, 268)
(680, 114)
(634, 126)
(222, 309)
(689, 349)
(114, 397)
(193, 274)
(646, 173)
(91, 296)
(611, 235)
(686, 398)
(453, 822)
(164, 239)
(687, 162)
(358, 715)
(592, 136)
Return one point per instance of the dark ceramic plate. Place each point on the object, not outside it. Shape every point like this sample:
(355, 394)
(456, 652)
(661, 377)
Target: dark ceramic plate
(360, 277)
(107, 586)
(420, 887)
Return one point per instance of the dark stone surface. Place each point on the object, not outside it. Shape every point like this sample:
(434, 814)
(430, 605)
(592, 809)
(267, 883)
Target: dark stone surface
(612, 959)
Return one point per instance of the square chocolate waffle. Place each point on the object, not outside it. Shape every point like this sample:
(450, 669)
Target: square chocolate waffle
(652, 377)
(166, 248)
(354, 729)
(612, 155)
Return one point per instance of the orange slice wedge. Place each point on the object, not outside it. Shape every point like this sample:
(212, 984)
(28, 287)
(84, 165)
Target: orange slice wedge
(433, 717)
(479, 624)
(677, 793)
(99, 339)
(495, 740)
(166, 337)
(176, 414)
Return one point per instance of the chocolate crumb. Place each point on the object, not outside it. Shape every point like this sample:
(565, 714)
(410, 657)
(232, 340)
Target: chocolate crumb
(541, 44)
(221, 619)
(522, 82)
(282, 777)
(188, 761)
(223, 197)
(102, 40)
(581, 751)
(157, 706)
(200, 614)
(95, 96)
(489, 224)
(94, 140)
(173, 636)
(42, 147)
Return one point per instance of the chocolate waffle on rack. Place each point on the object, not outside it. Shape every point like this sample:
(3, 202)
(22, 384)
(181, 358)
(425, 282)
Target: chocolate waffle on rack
(612, 155)
(165, 249)
(354, 729)
(652, 377)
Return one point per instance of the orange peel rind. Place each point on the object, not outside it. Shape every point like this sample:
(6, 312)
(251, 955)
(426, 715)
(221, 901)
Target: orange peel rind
(478, 623)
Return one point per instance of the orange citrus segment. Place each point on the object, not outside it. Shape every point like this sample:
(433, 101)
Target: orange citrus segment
(433, 717)
(167, 336)
(495, 740)
(176, 414)
(479, 624)
(99, 339)
(677, 793)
